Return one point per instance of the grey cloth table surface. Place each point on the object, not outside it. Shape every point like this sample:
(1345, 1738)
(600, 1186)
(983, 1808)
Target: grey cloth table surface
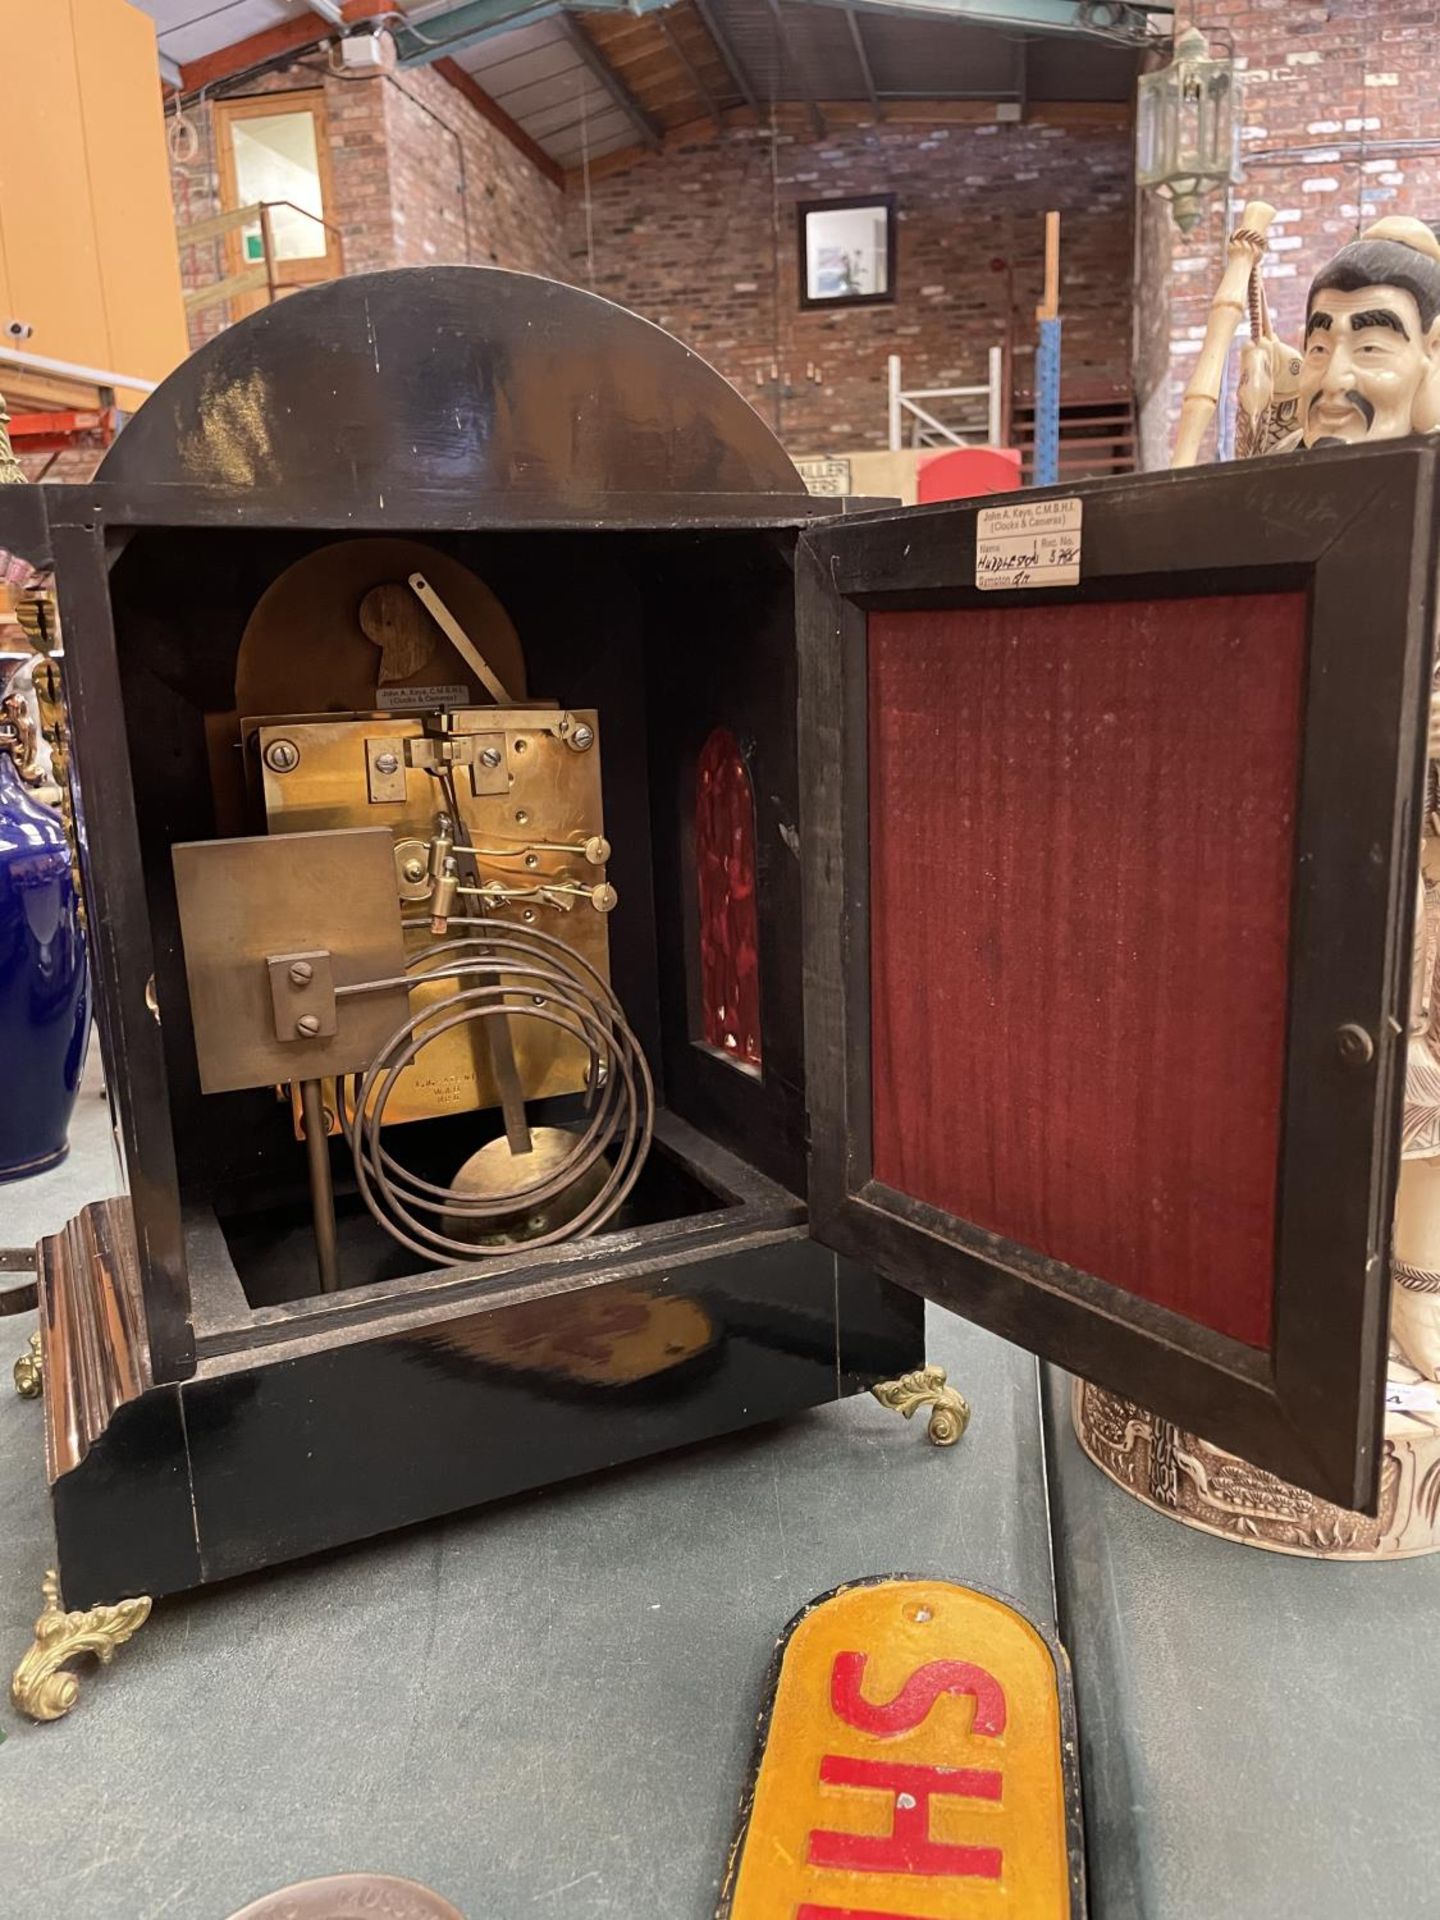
(90, 1171)
(1260, 1734)
(543, 1708)
(546, 1707)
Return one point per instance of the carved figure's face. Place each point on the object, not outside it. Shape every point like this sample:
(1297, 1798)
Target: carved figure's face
(1367, 362)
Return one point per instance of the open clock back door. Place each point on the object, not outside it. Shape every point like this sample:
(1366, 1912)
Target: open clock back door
(1109, 902)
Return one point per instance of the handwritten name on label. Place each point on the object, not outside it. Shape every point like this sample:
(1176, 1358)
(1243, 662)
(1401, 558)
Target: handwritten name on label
(1037, 545)
(1421, 1397)
(403, 699)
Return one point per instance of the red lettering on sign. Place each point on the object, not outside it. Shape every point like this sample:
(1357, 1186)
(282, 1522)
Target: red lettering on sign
(809, 1912)
(907, 1848)
(918, 1695)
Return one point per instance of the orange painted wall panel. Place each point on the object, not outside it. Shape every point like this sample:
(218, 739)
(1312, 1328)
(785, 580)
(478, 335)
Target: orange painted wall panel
(87, 242)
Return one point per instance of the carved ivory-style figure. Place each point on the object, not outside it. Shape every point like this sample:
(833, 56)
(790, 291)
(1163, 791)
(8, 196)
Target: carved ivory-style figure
(1369, 369)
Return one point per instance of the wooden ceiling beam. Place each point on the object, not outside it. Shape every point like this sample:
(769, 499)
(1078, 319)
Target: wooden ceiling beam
(297, 36)
(611, 30)
(728, 55)
(609, 79)
(792, 116)
(290, 36)
(862, 60)
(637, 68)
(797, 70)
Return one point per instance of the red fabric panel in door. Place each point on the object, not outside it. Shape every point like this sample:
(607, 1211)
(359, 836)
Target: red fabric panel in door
(1081, 828)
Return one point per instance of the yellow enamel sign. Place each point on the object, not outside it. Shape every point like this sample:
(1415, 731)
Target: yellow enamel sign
(918, 1764)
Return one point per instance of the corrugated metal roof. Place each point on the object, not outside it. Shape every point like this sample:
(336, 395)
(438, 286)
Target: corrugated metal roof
(537, 76)
(668, 71)
(189, 29)
(810, 51)
(533, 72)
(938, 56)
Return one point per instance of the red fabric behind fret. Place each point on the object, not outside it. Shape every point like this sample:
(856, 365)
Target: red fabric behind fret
(1081, 827)
(725, 876)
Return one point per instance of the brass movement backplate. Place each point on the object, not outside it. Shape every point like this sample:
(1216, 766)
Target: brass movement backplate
(527, 781)
(302, 993)
(244, 902)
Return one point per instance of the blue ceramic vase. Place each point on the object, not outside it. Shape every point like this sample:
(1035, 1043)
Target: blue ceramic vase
(44, 996)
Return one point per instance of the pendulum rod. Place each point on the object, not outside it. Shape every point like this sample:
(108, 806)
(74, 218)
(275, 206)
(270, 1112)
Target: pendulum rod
(322, 1192)
(498, 1038)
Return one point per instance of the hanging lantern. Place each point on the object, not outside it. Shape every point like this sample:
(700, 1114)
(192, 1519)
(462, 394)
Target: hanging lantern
(1185, 126)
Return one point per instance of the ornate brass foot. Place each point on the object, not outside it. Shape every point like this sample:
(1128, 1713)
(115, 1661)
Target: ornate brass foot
(928, 1387)
(29, 1371)
(40, 1687)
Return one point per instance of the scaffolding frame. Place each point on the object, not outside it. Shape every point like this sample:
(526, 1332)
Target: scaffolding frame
(926, 430)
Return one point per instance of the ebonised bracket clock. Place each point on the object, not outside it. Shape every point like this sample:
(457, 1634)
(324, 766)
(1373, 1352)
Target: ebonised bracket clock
(586, 943)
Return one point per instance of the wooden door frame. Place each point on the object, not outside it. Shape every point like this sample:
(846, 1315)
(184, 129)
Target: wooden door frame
(288, 274)
(1356, 529)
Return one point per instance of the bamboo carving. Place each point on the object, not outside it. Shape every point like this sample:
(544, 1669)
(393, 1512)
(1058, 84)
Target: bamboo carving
(1232, 299)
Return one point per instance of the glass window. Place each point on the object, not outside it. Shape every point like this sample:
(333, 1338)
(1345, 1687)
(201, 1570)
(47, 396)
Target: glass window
(277, 157)
(847, 252)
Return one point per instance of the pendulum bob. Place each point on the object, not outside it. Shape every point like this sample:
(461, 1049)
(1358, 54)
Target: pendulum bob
(44, 1006)
(495, 1172)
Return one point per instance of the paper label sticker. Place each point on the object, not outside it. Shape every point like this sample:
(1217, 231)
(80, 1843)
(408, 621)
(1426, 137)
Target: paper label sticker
(1421, 1396)
(408, 699)
(1034, 545)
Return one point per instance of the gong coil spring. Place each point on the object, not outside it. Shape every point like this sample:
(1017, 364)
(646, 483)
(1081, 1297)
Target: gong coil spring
(511, 973)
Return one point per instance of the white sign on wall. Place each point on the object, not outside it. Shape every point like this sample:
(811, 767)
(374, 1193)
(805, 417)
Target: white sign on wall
(828, 476)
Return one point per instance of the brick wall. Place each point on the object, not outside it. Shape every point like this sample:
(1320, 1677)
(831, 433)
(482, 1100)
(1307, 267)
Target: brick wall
(1329, 86)
(691, 239)
(355, 121)
(70, 466)
(195, 194)
(702, 238)
(418, 178)
(460, 190)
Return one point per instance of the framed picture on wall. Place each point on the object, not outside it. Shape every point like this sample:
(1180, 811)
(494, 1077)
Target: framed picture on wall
(847, 251)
